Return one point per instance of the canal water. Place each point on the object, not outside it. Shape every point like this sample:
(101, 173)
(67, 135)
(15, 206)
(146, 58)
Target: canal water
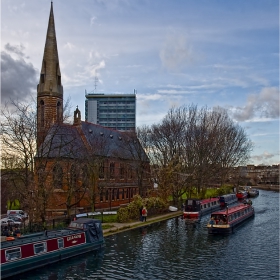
(182, 249)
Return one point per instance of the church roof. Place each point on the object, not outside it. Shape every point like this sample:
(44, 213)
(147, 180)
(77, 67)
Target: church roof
(88, 139)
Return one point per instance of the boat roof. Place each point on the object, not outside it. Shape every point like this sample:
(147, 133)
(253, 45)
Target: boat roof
(206, 200)
(86, 221)
(229, 194)
(48, 234)
(39, 236)
(232, 209)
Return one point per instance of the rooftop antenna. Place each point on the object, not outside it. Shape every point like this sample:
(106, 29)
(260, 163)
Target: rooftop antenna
(95, 82)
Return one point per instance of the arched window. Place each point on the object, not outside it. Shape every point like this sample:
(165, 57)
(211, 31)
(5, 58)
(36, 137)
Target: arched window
(73, 177)
(121, 171)
(113, 195)
(129, 172)
(58, 112)
(42, 113)
(85, 176)
(101, 170)
(112, 170)
(57, 176)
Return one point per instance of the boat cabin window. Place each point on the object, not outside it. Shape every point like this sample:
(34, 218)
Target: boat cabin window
(40, 248)
(73, 224)
(60, 243)
(209, 204)
(13, 254)
(189, 202)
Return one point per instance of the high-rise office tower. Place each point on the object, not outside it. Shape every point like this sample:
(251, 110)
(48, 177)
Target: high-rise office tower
(116, 111)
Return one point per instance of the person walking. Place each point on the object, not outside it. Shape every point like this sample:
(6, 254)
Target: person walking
(144, 214)
(140, 213)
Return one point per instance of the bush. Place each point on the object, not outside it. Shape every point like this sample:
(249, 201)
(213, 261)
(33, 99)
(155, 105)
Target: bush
(154, 205)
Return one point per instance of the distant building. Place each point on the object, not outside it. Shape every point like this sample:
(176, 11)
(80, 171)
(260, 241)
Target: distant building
(115, 111)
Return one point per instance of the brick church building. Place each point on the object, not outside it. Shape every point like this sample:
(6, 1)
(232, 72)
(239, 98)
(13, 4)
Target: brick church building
(81, 166)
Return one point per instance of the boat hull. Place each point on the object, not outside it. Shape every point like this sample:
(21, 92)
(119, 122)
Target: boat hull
(33, 251)
(12, 269)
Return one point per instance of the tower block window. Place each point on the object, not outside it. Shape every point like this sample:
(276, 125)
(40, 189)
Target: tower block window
(42, 115)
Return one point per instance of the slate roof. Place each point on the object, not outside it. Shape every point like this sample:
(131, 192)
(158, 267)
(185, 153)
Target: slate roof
(78, 142)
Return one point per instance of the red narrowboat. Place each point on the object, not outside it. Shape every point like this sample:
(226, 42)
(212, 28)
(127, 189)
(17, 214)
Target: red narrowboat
(35, 250)
(195, 208)
(241, 195)
(225, 221)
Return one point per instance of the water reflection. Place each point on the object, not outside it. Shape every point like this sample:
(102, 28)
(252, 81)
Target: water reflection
(182, 249)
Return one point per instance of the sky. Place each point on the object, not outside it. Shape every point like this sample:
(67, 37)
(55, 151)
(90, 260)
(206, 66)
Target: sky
(170, 52)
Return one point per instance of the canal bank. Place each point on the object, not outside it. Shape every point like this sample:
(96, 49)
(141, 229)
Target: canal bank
(120, 227)
(268, 187)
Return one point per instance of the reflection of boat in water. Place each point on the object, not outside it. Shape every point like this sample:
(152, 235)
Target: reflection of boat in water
(195, 208)
(39, 249)
(224, 222)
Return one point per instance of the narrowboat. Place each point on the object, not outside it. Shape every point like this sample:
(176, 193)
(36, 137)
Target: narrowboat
(195, 208)
(228, 199)
(225, 221)
(24, 253)
(253, 193)
(241, 195)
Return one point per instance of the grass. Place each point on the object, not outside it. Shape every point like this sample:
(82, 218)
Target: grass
(111, 218)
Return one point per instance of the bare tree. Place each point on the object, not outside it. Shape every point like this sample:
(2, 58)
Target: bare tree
(18, 139)
(194, 147)
(19, 153)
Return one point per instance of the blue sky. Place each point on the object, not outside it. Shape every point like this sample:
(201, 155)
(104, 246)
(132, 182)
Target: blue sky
(180, 52)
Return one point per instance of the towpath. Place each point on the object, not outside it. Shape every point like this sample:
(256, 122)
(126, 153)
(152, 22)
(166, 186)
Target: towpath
(119, 227)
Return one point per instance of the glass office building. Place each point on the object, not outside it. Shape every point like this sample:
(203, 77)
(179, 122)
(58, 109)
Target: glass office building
(116, 111)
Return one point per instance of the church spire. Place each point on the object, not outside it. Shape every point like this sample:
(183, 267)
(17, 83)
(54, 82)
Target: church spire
(50, 77)
(49, 89)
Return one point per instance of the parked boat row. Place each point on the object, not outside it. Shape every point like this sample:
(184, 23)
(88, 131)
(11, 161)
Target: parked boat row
(225, 221)
(227, 211)
(24, 253)
(195, 208)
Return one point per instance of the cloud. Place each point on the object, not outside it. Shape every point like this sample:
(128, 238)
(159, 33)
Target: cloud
(69, 46)
(18, 77)
(265, 104)
(265, 158)
(176, 52)
(92, 20)
(15, 49)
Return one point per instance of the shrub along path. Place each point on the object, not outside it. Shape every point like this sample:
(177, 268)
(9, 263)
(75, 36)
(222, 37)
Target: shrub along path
(120, 227)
